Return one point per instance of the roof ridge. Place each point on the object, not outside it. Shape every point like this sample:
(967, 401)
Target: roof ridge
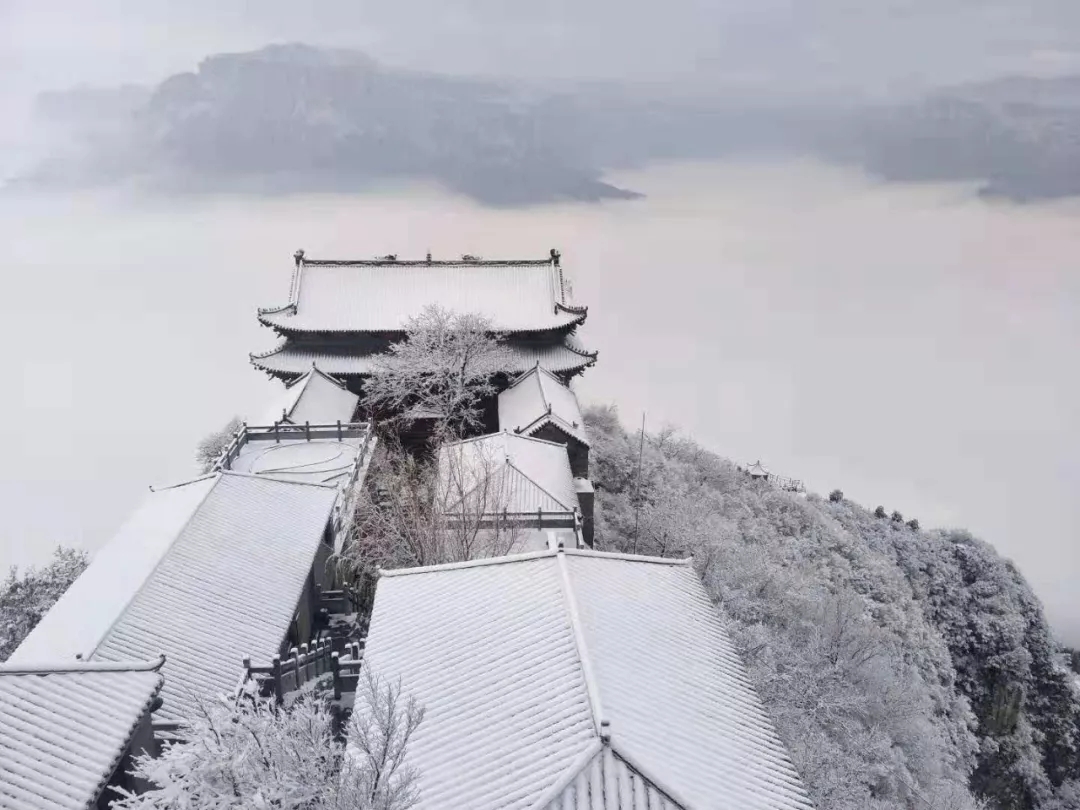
(328, 377)
(526, 556)
(83, 666)
(196, 480)
(568, 775)
(385, 262)
(632, 764)
(524, 376)
(504, 432)
(262, 355)
(618, 555)
(116, 619)
(592, 688)
(554, 418)
(543, 394)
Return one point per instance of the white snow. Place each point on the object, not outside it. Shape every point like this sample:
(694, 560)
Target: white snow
(83, 615)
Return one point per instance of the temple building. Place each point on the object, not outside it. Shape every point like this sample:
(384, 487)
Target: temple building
(573, 679)
(516, 484)
(542, 406)
(70, 732)
(315, 399)
(340, 314)
(206, 572)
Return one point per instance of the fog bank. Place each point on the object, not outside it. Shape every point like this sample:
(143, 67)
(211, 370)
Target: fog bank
(913, 346)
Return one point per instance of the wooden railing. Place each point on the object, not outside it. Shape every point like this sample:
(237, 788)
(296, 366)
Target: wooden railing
(304, 665)
(337, 431)
(787, 484)
(280, 432)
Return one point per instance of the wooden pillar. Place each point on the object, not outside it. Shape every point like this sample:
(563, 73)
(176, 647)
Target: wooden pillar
(278, 697)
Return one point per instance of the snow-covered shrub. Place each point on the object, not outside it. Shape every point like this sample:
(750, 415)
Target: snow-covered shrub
(212, 446)
(903, 669)
(25, 597)
(256, 756)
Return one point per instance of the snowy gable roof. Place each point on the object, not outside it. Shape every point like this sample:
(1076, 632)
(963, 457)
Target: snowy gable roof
(381, 295)
(225, 562)
(757, 470)
(512, 473)
(228, 587)
(315, 398)
(79, 620)
(65, 729)
(539, 398)
(576, 679)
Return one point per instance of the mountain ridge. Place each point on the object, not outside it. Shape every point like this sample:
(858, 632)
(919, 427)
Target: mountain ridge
(298, 118)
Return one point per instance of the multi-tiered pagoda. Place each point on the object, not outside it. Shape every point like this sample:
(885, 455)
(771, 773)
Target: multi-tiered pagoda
(343, 313)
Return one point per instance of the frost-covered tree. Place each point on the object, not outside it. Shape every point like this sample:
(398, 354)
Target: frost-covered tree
(427, 511)
(880, 512)
(256, 755)
(27, 596)
(1067, 797)
(1003, 653)
(441, 371)
(212, 446)
(861, 687)
(836, 496)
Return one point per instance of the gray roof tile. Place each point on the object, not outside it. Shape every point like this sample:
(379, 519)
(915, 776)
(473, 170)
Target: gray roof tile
(288, 358)
(538, 398)
(65, 729)
(316, 398)
(501, 652)
(206, 573)
(381, 296)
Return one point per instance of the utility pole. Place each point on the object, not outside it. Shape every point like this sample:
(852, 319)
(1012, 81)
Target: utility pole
(637, 487)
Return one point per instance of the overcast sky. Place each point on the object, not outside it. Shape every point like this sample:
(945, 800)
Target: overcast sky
(784, 44)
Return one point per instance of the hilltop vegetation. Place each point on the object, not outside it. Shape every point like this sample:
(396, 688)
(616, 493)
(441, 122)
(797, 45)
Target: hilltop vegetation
(904, 669)
(26, 596)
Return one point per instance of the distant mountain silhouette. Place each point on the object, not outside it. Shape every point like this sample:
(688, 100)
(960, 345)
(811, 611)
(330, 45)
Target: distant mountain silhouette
(298, 118)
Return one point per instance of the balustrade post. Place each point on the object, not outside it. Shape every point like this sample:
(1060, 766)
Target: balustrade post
(278, 697)
(335, 668)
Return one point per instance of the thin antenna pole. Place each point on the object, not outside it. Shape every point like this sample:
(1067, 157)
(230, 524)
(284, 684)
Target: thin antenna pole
(637, 487)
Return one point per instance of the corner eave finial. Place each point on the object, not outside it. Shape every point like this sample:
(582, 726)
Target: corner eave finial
(299, 257)
(555, 256)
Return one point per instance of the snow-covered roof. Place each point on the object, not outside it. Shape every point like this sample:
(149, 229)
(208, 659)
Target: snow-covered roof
(566, 356)
(83, 615)
(513, 473)
(63, 730)
(538, 398)
(225, 565)
(316, 398)
(321, 460)
(541, 673)
(381, 295)
(757, 470)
